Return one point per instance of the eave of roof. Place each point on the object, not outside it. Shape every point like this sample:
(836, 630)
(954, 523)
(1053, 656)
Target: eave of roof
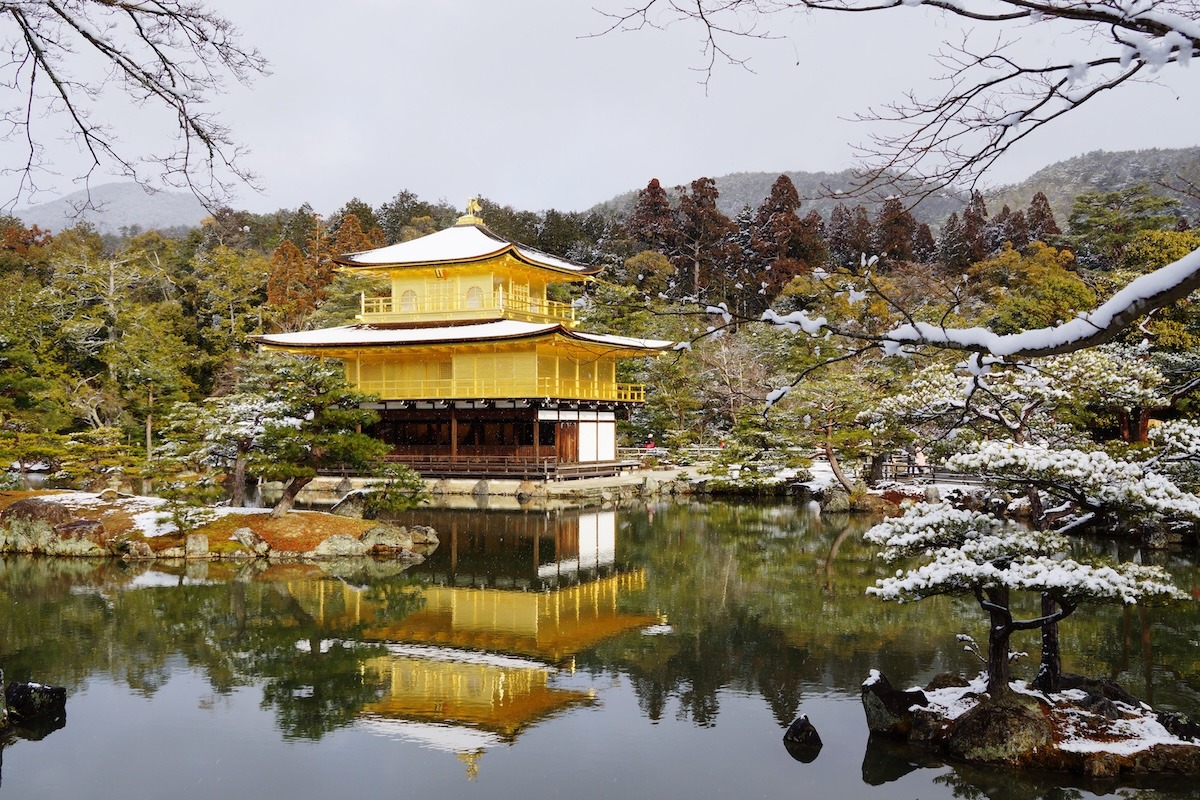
(396, 336)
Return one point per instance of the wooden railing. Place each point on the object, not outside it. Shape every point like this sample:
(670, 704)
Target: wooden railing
(423, 309)
(503, 388)
(543, 467)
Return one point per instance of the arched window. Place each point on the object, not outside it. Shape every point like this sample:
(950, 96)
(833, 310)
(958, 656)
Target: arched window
(408, 300)
(474, 298)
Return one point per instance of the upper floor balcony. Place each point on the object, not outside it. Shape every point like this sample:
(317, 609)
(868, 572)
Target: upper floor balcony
(502, 389)
(476, 304)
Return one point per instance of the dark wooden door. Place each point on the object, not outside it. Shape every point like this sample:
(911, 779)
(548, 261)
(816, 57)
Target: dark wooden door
(568, 442)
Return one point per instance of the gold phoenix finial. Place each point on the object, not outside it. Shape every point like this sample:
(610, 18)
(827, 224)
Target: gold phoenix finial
(472, 216)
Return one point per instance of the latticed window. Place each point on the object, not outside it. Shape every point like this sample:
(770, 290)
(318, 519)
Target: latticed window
(408, 301)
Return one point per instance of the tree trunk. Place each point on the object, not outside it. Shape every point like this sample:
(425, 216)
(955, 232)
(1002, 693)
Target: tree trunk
(834, 465)
(999, 632)
(237, 492)
(1049, 677)
(288, 499)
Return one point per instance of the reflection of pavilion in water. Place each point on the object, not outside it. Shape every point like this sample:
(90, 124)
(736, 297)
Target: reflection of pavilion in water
(475, 666)
(534, 549)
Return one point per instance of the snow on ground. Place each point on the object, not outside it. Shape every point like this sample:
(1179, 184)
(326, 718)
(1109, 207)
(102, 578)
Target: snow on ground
(149, 514)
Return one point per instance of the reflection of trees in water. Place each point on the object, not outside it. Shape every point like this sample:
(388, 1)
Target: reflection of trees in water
(761, 599)
(236, 633)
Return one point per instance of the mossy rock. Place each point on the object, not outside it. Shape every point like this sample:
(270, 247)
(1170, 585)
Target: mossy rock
(1002, 731)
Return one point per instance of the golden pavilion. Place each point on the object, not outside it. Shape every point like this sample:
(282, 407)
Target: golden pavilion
(478, 372)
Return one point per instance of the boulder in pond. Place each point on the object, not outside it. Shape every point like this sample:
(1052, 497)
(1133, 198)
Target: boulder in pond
(888, 709)
(340, 545)
(801, 740)
(32, 704)
(387, 540)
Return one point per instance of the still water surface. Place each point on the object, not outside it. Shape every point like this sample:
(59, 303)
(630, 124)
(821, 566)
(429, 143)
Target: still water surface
(650, 652)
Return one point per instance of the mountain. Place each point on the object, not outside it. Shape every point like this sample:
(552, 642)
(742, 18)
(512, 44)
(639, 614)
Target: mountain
(116, 206)
(1101, 171)
(1062, 182)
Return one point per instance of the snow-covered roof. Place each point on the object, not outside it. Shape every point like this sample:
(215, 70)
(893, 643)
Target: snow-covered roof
(458, 244)
(363, 335)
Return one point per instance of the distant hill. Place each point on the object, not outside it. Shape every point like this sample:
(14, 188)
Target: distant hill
(1101, 171)
(1062, 182)
(741, 189)
(117, 205)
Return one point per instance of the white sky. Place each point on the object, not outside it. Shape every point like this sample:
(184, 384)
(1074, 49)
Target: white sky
(511, 100)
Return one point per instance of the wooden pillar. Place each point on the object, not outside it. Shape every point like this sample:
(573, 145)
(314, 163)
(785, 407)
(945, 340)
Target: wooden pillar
(453, 432)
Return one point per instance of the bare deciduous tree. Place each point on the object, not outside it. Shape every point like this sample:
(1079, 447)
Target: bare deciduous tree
(63, 59)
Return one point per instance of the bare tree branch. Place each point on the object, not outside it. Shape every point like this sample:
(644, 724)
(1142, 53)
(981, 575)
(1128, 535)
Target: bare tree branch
(167, 56)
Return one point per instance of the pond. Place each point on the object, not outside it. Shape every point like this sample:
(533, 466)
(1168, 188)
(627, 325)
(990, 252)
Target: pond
(649, 652)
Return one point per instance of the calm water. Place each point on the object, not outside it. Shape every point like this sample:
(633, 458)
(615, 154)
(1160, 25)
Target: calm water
(650, 652)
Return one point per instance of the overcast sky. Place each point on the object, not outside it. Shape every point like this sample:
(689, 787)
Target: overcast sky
(514, 101)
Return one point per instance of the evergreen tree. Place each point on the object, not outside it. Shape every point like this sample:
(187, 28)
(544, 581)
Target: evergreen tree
(848, 235)
(785, 244)
(1102, 224)
(974, 227)
(953, 249)
(895, 227)
(924, 248)
(1040, 220)
(704, 243)
(653, 224)
(292, 288)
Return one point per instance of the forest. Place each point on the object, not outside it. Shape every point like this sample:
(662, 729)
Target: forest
(113, 344)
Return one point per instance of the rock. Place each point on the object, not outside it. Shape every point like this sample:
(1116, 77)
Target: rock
(526, 491)
(423, 534)
(875, 504)
(887, 708)
(37, 509)
(110, 495)
(480, 489)
(1179, 725)
(195, 546)
(80, 537)
(135, 549)
(251, 541)
(1002, 731)
(172, 552)
(352, 505)
(440, 487)
(340, 545)
(836, 500)
(387, 540)
(801, 740)
(932, 495)
(35, 703)
(650, 486)
(27, 536)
